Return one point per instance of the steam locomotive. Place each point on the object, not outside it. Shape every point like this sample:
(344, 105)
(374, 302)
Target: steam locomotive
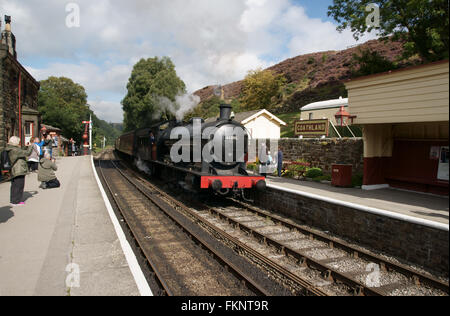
(221, 169)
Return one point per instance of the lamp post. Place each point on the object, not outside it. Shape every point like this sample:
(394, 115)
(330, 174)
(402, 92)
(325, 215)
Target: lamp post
(86, 138)
(342, 117)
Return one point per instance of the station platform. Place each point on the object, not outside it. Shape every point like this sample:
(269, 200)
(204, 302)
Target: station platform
(63, 242)
(410, 204)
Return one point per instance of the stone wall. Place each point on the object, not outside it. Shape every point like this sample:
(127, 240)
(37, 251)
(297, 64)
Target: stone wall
(9, 95)
(413, 243)
(323, 153)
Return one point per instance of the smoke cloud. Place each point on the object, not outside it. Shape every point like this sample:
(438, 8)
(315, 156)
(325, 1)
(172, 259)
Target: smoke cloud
(142, 166)
(182, 105)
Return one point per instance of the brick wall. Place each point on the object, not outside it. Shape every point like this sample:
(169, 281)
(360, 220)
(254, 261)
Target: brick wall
(323, 153)
(413, 243)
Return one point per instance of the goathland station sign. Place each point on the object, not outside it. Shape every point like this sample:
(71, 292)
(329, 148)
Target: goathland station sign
(312, 128)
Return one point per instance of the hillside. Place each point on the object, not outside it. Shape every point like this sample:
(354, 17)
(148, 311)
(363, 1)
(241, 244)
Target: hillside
(312, 77)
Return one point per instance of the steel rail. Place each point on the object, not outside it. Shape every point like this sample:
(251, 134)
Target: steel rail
(328, 273)
(417, 277)
(165, 208)
(308, 287)
(158, 277)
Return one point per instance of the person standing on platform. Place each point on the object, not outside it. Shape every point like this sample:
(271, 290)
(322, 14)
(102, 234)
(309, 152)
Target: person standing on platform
(19, 169)
(33, 160)
(48, 145)
(46, 174)
(263, 160)
(74, 149)
(280, 162)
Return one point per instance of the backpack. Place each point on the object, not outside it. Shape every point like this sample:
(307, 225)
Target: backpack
(5, 162)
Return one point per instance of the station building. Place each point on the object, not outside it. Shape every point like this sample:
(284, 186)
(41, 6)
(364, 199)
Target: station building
(323, 110)
(405, 119)
(19, 115)
(261, 124)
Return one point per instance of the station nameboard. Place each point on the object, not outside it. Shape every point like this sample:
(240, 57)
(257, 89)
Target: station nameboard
(312, 128)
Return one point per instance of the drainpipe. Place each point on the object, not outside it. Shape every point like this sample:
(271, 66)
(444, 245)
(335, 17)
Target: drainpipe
(20, 108)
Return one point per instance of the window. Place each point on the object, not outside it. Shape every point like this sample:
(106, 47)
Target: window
(28, 128)
(311, 116)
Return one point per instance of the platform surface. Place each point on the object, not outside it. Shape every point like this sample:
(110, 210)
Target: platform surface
(415, 204)
(66, 228)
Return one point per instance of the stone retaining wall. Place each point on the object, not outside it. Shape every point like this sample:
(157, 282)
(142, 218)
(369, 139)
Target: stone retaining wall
(414, 243)
(323, 153)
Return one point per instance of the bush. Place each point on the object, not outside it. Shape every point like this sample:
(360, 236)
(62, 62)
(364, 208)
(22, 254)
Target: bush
(314, 173)
(297, 168)
(322, 178)
(253, 166)
(357, 180)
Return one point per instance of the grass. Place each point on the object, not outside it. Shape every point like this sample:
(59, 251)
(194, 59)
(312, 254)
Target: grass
(288, 130)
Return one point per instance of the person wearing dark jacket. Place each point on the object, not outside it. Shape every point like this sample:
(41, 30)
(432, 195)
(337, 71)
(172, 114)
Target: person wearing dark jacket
(280, 163)
(46, 173)
(19, 169)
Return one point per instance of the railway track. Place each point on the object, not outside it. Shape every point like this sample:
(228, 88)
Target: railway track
(326, 264)
(182, 261)
(291, 283)
(306, 261)
(337, 261)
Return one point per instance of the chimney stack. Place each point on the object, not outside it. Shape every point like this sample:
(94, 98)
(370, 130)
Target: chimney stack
(8, 39)
(225, 112)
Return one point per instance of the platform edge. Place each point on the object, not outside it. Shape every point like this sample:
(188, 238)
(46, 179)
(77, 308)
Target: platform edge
(367, 209)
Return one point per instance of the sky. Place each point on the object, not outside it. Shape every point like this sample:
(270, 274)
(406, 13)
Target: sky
(96, 43)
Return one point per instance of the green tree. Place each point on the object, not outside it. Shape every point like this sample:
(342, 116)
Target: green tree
(422, 24)
(259, 87)
(370, 62)
(151, 80)
(207, 109)
(102, 129)
(63, 104)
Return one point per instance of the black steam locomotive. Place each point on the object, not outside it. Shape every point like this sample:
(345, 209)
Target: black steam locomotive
(222, 170)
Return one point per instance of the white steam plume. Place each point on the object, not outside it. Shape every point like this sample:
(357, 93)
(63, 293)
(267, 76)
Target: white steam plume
(182, 105)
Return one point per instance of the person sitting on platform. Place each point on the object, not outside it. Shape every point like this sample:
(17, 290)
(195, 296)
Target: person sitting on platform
(46, 173)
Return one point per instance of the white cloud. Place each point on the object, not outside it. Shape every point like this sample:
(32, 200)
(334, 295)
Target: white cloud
(91, 76)
(107, 110)
(210, 42)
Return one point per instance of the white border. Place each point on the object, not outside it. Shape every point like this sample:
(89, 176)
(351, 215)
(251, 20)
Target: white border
(375, 187)
(138, 275)
(367, 209)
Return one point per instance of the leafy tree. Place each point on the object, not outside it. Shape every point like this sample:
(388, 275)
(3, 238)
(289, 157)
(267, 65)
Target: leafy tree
(102, 129)
(259, 87)
(63, 104)
(422, 24)
(371, 62)
(151, 80)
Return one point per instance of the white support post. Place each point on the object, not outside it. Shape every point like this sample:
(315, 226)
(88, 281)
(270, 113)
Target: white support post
(350, 130)
(335, 129)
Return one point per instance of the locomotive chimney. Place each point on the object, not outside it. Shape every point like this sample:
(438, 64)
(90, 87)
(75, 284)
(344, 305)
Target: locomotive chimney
(225, 112)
